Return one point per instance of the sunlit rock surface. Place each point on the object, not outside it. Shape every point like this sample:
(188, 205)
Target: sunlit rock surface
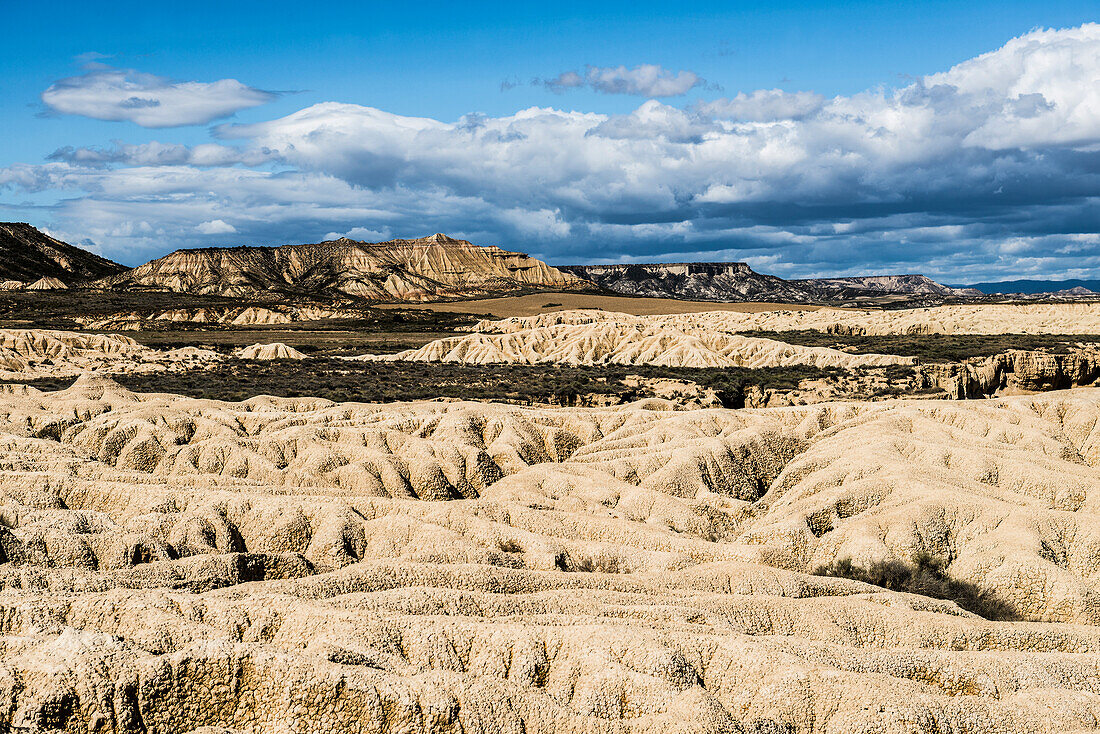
(298, 565)
(425, 269)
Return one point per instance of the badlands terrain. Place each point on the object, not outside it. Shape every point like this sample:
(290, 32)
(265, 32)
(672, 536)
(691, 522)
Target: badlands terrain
(908, 563)
(541, 507)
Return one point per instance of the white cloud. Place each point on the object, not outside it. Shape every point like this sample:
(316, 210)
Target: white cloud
(163, 154)
(932, 176)
(107, 93)
(215, 226)
(645, 80)
(363, 234)
(764, 105)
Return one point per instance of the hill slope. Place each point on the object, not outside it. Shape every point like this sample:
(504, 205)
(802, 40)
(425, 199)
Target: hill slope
(28, 255)
(733, 281)
(736, 281)
(1038, 287)
(425, 269)
(907, 284)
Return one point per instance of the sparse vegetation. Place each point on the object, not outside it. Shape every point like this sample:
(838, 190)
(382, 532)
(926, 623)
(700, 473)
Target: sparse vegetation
(932, 347)
(927, 575)
(342, 380)
(401, 327)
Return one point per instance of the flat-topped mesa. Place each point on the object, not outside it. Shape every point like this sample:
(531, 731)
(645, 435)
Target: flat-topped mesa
(713, 281)
(425, 269)
(727, 268)
(737, 281)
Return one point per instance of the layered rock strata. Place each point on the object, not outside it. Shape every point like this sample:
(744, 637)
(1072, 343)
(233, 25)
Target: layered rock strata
(426, 269)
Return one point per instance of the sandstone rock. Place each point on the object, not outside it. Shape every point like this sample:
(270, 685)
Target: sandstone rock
(583, 338)
(232, 316)
(425, 269)
(1059, 318)
(47, 284)
(29, 353)
(1015, 371)
(276, 350)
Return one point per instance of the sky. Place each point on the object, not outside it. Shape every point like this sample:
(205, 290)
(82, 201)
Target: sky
(958, 140)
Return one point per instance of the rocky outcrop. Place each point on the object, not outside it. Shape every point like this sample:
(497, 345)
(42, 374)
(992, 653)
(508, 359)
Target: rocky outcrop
(268, 352)
(225, 315)
(1048, 318)
(32, 353)
(47, 284)
(426, 269)
(28, 255)
(1015, 371)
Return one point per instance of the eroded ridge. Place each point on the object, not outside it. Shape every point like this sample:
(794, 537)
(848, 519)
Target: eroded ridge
(30, 353)
(1010, 318)
(592, 338)
(170, 563)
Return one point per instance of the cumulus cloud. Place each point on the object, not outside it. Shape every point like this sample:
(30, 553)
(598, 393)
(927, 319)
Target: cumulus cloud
(645, 80)
(216, 226)
(363, 234)
(107, 93)
(990, 166)
(764, 105)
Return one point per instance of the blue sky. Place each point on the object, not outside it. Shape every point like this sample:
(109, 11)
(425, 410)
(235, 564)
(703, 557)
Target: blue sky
(807, 138)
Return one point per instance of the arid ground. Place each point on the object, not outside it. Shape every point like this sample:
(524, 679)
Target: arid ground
(273, 519)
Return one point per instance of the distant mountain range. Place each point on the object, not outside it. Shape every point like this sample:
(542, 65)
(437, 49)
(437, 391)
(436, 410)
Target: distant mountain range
(908, 284)
(28, 255)
(692, 281)
(1035, 287)
(441, 268)
(736, 281)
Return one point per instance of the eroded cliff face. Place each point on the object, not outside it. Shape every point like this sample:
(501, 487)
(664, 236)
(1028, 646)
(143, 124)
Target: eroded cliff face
(1015, 370)
(426, 269)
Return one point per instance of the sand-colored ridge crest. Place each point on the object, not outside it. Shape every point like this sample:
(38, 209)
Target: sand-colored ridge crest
(418, 270)
(597, 337)
(275, 350)
(31, 353)
(47, 284)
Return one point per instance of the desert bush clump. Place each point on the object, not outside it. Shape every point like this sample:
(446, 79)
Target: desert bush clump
(925, 575)
(383, 382)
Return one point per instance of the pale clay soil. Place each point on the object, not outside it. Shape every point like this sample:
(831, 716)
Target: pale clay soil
(297, 565)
